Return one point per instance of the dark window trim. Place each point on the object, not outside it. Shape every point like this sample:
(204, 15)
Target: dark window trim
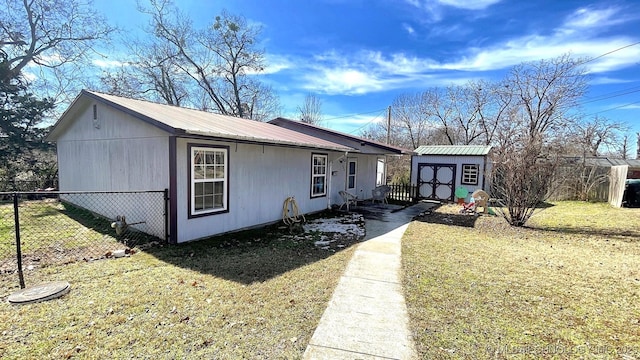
(355, 175)
(189, 184)
(326, 176)
(173, 191)
(477, 166)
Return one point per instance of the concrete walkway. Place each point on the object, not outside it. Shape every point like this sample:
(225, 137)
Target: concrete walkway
(367, 316)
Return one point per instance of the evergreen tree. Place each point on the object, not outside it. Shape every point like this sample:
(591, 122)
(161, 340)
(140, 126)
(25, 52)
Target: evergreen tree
(22, 149)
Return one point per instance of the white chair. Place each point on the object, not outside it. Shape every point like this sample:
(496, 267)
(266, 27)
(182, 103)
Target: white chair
(380, 194)
(348, 199)
(481, 199)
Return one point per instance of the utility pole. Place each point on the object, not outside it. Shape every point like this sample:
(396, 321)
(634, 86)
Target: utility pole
(389, 125)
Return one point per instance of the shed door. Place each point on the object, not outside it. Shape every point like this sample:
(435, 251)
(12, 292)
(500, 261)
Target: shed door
(436, 181)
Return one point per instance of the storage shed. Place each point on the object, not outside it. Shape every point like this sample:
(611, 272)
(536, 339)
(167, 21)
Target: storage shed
(438, 170)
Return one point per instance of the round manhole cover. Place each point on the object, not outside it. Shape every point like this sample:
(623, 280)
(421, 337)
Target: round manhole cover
(41, 292)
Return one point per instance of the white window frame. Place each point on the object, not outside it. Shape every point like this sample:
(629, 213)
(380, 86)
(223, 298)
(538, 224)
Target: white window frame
(319, 172)
(470, 174)
(350, 175)
(209, 177)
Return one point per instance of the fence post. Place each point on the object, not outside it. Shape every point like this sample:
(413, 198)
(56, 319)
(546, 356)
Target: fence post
(18, 248)
(166, 215)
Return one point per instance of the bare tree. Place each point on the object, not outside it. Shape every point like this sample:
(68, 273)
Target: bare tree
(527, 160)
(599, 133)
(311, 110)
(463, 112)
(410, 125)
(222, 60)
(495, 109)
(57, 37)
(437, 106)
(150, 72)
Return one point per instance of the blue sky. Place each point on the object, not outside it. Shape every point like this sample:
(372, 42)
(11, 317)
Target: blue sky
(357, 55)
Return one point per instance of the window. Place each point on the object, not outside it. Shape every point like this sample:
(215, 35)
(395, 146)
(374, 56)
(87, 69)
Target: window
(470, 174)
(351, 173)
(209, 176)
(318, 175)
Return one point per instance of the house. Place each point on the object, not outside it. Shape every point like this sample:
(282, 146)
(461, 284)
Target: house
(222, 173)
(438, 170)
(368, 157)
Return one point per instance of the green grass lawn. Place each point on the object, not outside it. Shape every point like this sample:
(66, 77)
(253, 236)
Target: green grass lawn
(567, 286)
(56, 232)
(254, 295)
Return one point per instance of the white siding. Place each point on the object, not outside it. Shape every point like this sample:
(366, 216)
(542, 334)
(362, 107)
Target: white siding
(122, 154)
(365, 178)
(260, 179)
(458, 161)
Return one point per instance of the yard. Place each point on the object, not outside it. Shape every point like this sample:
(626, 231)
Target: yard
(568, 286)
(257, 294)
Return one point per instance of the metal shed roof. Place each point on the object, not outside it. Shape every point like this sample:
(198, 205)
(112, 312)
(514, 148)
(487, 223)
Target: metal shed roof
(183, 121)
(453, 150)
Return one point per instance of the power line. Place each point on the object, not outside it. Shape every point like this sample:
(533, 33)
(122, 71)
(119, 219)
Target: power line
(367, 124)
(604, 97)
(352, 115)
(597, 98)
(609, 53)
(614, 108)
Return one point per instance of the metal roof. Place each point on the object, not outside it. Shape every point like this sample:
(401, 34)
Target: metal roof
(310, 129)
(453, 150)
(608, 162)
(183, 121)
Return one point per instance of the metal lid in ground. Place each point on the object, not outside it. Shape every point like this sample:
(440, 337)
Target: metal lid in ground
(40, 292)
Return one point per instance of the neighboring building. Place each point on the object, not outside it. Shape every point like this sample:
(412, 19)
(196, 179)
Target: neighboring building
(223, 173)
(438, 170)
(606, 162)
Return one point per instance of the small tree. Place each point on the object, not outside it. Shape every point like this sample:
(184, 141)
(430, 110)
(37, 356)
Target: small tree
(522, 179)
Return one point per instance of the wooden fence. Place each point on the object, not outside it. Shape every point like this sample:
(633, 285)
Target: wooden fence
(403, 193)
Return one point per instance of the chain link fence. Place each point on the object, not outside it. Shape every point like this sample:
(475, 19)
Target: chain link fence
(39, 229)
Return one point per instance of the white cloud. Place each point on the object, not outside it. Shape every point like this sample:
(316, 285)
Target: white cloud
(276, 63)
(370, 71)
(630, 107)
(409, 28)
(354, 124)
(602, 80)
(469, 4)
(591, 18)
(577, 36)
(342, 81)
(363, 71)
(536, 48)
(434, 9)
(107, 64)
